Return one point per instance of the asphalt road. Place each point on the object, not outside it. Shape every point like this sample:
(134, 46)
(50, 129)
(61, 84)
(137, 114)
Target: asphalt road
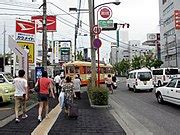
(142, 106)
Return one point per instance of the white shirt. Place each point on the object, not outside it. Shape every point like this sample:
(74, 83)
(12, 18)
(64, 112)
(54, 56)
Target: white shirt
(77, 84)
(57, 78)
(20, 86)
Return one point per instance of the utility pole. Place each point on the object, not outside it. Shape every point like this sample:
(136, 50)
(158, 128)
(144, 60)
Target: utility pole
(44, 40)
(76, 30)
(93, 54)
(4, 51)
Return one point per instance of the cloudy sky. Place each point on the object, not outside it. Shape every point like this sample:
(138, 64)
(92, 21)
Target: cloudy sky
(142, 15)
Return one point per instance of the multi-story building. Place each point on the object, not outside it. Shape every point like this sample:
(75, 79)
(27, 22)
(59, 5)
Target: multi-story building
(153, 39)
(136, 49)
(169, 32)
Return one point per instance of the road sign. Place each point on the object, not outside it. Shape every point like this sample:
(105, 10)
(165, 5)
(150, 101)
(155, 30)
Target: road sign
(106, 12)
(96, 29)
(97, 43)
(106, 23)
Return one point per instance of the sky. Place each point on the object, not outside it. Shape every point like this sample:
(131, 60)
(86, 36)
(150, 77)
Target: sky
(142, 15)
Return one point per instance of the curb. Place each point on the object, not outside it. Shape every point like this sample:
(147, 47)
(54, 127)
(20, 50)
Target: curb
(11, 117)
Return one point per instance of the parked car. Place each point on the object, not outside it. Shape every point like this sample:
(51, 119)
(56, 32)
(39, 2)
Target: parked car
(170, 92)
(140, 79)
(6, 87)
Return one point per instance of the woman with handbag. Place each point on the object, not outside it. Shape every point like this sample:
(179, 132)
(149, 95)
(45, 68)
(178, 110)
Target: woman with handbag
(43, 95)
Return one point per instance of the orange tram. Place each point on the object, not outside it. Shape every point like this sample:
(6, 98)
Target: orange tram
(83, 68)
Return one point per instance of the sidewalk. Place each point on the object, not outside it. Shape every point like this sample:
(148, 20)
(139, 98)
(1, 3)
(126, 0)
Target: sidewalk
(90, 121)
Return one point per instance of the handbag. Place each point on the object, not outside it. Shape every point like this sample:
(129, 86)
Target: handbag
(61, 99)
(37, 88)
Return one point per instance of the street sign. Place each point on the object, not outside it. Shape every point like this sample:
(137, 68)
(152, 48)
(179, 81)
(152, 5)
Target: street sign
(96, 29)
(106, 12)
(106, 23)
(97, 43)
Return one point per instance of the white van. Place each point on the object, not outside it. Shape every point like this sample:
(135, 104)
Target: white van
(163, 75)
(140, 79)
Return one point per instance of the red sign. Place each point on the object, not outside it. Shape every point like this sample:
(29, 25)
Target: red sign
(25, 27)
(51, 23)
(106, 12)
(96, 29)
(177, 19)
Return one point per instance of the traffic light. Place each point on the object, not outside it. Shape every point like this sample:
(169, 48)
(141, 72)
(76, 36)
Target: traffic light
(113, 28)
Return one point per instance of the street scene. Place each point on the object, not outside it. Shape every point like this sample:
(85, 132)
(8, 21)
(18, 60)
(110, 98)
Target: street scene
(106, 67)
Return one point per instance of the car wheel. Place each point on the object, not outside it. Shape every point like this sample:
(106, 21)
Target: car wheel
(134, 89)
(150, 90)
(160, 98)
(129, 87)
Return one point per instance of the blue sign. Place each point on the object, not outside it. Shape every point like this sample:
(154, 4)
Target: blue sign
(97, 43)
(38, 72)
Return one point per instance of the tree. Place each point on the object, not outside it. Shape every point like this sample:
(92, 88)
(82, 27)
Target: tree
(157, 63)
(79, 55)
(122, 67)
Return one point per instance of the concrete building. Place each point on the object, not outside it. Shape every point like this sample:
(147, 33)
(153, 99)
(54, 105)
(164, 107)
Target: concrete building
(117, 54)
(136, 49)
(169, 32)
(153, 39)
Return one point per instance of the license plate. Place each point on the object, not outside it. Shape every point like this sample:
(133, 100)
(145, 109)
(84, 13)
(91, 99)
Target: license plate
(145, 82)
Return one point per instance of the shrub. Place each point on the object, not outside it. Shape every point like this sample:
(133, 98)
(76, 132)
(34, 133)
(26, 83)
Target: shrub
(98, 95)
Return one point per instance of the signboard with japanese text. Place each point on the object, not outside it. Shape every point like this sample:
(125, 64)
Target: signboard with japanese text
(51, 23)
(30, 47)
(106, 23)
(177, 19)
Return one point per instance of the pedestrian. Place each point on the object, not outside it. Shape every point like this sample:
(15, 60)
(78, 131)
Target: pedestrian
(21, 95)
(114, 84)
(61, 82)
(68, 88)
(109, 83)
(77, 87)
(57, 79)
(43, 95)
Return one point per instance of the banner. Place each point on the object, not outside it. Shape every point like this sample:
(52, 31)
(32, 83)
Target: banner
(25, 27)
(51, 23)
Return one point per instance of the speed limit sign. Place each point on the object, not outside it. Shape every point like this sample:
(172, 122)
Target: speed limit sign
(96, 29)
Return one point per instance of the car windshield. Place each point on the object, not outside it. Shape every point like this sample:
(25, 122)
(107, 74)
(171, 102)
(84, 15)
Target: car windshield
(8, 77)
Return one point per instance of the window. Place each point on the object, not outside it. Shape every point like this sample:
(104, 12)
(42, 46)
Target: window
(76, 69)
(172, 83)
(144, 75)
(178, 84)
(168, 9)
(158, 72)
(171, 71)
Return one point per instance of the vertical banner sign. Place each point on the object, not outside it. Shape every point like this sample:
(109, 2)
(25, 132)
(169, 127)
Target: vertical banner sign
(177, 19)
(25, 37)
(51, 23)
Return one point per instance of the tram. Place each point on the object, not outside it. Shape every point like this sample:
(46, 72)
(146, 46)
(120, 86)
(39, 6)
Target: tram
(83, 68)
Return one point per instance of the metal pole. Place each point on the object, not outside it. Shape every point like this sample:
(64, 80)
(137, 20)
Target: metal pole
(176, 51)
(4, 57)
(75, 41)
(93, 55)
(167, 49)
(44, 41)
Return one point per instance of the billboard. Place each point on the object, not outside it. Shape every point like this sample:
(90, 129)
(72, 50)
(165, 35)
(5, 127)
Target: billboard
(65, 54)
(51, 23)
(25, 27)
(30, 47)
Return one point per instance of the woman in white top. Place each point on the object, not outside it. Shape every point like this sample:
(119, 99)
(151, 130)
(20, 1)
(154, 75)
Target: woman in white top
(77, 87)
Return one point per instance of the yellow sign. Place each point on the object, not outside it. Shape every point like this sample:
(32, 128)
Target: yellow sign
(30, 48)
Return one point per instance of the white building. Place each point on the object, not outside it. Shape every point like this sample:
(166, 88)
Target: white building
(136, 49)
(119, 53)
(170, 34)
